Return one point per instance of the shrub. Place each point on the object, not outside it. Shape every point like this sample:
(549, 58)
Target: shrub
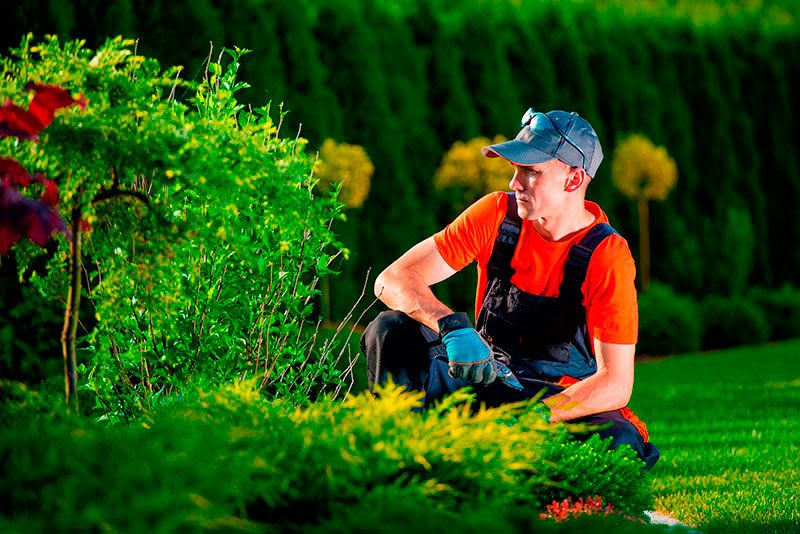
(732, 321)
(204, 238)
(782, 308)
(229, 459)
(668, 323)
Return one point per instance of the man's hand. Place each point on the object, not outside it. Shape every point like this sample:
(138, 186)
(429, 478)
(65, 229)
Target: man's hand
(470, 356)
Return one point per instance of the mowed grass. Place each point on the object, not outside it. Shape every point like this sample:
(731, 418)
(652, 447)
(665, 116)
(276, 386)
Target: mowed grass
(728, 427)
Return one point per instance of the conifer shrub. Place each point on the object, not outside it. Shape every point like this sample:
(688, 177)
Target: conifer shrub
(782, 309)
(228, 459)
(669, 323)
(732, 321)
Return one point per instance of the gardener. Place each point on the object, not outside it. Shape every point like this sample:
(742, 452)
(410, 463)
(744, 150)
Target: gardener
(556, 304)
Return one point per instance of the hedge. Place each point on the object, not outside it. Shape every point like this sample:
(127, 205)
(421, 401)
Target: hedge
(710, 81)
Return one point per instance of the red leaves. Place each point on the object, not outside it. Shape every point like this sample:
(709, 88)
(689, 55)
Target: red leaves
(566, 509)
(21, 216)
(16, 174)
(27, 124)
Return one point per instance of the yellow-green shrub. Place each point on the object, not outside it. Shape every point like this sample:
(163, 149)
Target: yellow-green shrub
(229, 459)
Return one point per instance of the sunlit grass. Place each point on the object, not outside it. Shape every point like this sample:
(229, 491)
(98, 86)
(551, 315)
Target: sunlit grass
(728, 426)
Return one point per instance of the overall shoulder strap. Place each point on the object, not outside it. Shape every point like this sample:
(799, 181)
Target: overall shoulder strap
(499, 265)
(578, 261)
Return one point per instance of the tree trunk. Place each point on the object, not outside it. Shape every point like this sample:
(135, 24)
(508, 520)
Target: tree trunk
(644, 243)
(71, 314)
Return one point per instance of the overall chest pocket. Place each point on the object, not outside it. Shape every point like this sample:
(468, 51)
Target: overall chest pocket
(529, 326)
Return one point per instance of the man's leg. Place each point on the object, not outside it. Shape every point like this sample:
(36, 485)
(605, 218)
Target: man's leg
(622, 432)
(412, 354)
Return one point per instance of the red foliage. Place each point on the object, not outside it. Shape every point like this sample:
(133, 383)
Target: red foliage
(21, 216)
(50, 193)
(27, 124)
(17, 175)
(567, 509)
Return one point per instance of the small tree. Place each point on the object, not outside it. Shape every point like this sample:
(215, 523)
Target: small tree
(347, 169)
(643, 172)
(348, 165)
(464, 168)
(196, 235)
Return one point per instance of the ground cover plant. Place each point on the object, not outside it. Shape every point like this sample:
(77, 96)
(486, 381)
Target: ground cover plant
(728, 427)
(230, 459)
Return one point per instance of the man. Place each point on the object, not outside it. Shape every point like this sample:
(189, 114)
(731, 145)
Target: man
(556, 304)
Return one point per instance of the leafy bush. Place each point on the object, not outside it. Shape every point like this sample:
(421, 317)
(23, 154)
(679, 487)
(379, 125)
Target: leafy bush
(782, 308)
(668, 323)
(228, 459)
(732, 321)
(203, 238)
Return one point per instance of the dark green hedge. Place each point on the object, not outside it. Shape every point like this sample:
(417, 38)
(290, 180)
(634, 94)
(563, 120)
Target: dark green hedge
(709, 81)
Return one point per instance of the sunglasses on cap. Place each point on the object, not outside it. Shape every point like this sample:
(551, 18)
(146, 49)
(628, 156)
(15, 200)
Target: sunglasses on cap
(542, 127)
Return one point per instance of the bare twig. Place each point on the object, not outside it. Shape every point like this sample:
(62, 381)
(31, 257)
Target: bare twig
(175, 85)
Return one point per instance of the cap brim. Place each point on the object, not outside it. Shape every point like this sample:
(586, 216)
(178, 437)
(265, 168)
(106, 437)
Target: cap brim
(517, 152)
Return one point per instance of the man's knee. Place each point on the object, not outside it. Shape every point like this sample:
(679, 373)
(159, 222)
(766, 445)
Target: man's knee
(624, 433)
(393, 342)
(389, 330)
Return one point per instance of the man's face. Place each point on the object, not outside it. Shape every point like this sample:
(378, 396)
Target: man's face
(540, 189)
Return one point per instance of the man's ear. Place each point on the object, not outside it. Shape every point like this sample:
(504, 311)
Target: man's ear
(575, 179)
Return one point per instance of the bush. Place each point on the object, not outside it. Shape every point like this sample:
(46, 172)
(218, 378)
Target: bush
(668, 323)
(782, 308)
(204, 236)
(732, 321)
(227, 459)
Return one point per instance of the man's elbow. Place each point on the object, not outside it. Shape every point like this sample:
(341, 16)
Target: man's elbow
(380, 284)
(622, 395)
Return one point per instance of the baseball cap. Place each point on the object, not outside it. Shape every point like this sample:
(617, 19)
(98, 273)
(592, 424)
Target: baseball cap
(561, 135)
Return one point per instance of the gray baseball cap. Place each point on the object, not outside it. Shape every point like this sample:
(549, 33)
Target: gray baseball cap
(553, 135)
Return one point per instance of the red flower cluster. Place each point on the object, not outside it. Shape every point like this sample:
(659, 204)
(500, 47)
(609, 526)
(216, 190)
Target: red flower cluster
(19, 215)
(567, 509)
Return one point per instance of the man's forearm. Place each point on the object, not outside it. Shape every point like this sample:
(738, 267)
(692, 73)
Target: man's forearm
(407, 292)
(590, 396)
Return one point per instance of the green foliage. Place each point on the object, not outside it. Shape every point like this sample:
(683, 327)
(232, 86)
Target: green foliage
(734, 253)
(732, 321)
(395, 78)
(782, 309)
(206, 239)
(669, 323)
(228, 459)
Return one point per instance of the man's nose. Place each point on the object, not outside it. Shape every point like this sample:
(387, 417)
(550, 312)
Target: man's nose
(515, 183)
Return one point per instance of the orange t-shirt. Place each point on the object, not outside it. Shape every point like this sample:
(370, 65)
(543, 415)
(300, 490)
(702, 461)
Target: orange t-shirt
(609, 294)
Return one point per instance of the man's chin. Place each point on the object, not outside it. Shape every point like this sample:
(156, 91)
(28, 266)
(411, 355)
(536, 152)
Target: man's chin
(524, 211)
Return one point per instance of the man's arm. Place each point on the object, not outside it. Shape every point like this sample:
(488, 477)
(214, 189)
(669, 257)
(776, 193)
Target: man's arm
(608, 389)
(405, 284)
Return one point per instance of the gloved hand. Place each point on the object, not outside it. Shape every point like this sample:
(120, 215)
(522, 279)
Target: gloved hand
(469, 355)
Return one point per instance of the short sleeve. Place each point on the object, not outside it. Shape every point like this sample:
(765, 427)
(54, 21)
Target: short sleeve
(612, 313)
(471, 235)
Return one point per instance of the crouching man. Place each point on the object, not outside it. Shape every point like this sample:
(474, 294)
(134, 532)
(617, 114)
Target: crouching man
(556, 303)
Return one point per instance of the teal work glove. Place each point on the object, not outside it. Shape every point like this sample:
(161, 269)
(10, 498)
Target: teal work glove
(469, 355)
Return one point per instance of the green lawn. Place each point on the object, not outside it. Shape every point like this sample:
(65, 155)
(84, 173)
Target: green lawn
(728, 427)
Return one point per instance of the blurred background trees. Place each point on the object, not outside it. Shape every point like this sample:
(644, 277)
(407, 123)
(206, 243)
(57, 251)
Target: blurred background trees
(708, 80)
